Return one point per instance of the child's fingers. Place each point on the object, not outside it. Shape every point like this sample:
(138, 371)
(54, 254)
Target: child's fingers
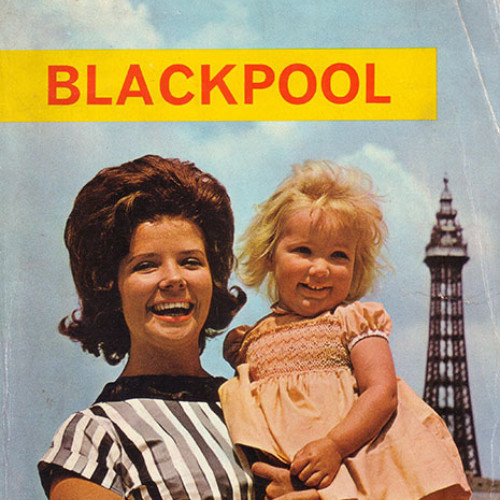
(326, 481)
(301, 468)
(314, 479)
(298, 465)
(309, 475)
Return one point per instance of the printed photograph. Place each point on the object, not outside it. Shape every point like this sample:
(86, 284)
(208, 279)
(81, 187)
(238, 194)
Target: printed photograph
(268, 287)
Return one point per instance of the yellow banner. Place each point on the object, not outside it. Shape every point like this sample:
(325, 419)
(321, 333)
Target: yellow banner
(218, 85)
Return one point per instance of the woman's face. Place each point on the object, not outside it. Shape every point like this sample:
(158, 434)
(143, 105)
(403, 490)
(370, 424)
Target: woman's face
(165, 286)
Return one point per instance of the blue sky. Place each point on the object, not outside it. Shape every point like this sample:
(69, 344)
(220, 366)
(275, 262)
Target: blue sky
(45, 377)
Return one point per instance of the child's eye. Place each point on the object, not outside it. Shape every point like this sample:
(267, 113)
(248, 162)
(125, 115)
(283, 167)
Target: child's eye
(303, 250)
(339, 254)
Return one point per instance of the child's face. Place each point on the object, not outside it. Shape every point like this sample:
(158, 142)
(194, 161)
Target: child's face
(313, 264)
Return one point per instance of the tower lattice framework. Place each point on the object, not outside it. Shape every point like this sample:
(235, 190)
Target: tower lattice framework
(446, 380)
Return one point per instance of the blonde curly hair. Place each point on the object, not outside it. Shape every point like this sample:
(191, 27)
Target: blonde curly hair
(345, 195)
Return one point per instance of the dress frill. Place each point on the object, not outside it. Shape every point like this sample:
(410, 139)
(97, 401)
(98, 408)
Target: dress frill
(413, 456)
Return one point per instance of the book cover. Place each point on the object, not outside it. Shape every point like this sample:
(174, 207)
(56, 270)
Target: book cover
(407, 91)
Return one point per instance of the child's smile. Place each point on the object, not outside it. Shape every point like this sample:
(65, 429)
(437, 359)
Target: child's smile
(316, 290)
(313, 263)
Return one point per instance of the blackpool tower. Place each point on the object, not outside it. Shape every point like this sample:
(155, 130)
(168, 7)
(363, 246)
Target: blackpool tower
(446, 379)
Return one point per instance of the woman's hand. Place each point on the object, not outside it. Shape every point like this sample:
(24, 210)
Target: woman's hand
(281, 485)
(317, 463)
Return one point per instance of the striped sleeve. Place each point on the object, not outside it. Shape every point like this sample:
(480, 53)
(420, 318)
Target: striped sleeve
(151, 449)
(86, 446)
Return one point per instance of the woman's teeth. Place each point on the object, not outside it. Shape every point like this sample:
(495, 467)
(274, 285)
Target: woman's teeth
(172, 308)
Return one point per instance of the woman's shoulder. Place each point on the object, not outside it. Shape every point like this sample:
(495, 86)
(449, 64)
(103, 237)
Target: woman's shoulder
(118, 431)
(78, 440)
(85, 421)
(123, 404)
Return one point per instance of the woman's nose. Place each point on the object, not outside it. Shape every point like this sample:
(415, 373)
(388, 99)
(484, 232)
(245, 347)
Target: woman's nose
(172, 279)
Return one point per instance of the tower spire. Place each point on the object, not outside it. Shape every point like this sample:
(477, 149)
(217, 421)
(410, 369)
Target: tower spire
(446, 379)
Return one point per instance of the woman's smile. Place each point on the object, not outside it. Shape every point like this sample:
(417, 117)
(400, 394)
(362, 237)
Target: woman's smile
(173, 312)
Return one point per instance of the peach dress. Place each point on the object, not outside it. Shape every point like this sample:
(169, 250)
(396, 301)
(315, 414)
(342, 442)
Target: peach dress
(295, 382)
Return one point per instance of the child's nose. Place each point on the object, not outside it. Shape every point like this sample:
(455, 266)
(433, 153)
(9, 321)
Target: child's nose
(319, 268)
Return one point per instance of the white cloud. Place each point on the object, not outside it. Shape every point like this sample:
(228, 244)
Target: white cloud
(281, 131)
(76, 24)
(230, 30)
(408, 207)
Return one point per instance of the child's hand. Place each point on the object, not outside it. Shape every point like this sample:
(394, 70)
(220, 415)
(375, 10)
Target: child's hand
(281, 484)
(317, 463)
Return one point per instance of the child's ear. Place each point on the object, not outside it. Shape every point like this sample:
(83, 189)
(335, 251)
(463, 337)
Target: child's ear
(269, 262)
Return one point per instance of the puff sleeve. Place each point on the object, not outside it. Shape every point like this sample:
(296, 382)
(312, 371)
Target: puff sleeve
(364, 319)
(87, 446)
(232, 351)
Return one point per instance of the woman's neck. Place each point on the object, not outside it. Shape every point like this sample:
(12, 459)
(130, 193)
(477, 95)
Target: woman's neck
(160, 363)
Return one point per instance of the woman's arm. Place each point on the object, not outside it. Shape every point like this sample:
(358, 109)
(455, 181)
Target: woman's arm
(317, 463)
(66, 486)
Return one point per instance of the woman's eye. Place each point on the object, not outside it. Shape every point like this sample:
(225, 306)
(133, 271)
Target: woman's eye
(143, 266)
(192, 262)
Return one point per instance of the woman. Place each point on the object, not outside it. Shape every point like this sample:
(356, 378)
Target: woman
(150, 246)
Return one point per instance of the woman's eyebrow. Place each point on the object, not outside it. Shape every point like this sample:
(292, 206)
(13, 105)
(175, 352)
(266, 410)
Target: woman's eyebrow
(193, 250)
(135, 256)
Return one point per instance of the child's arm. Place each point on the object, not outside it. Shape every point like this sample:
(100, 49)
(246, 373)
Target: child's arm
(318, 462)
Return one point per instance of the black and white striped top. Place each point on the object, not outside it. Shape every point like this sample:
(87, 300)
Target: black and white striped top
(152, 437)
